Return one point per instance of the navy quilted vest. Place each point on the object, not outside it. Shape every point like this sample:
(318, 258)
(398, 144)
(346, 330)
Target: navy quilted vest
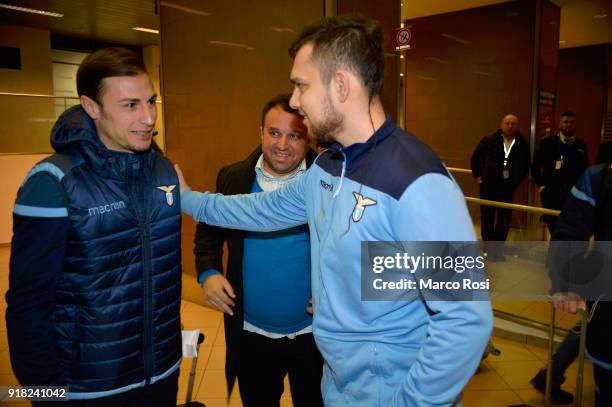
(117, 315)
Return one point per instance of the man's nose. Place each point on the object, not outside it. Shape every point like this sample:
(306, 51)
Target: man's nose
(148, 115)
(294, 101)
(283, 142)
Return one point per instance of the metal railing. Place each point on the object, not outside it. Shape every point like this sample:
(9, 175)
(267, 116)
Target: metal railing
(529, 322)
(517, 207)
(504, 205)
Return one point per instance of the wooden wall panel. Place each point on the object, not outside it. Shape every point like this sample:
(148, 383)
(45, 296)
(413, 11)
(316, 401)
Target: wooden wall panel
(582, 89)
(221, 61)
(466, 71)
(470, 68)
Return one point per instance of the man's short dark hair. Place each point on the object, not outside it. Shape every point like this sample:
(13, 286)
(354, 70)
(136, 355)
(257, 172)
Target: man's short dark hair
(568, 114)
(351, 42)
(106, 63)
(282, 101)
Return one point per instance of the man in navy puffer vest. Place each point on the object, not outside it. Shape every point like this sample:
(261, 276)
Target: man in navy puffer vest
(95, 269)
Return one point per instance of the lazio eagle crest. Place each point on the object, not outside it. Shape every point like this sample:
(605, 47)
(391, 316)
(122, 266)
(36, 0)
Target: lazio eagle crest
(360, 206)
(168, 190)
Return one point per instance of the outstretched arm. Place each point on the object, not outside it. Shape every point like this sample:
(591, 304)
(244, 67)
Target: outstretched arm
(263, 212)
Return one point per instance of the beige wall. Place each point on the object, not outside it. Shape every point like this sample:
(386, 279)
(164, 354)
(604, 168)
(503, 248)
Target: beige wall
(35, 75)
(13, 169)
(26, 121)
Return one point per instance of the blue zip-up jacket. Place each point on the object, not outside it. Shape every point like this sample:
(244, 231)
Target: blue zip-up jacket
(378, 353)
(95, 269)
(587, 213)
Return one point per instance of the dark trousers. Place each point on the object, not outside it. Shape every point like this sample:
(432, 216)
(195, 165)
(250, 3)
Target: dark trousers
(603, 386)
(495, 222)
(264, 362)
(160, 394)
(565, 354)
(553, 197)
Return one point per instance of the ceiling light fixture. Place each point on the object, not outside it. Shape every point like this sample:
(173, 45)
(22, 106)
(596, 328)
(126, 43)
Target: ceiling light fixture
(185, 9)
(31, 10)
(145, 30)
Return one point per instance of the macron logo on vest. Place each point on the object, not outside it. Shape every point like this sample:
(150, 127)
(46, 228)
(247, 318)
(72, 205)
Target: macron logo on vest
(99, 210)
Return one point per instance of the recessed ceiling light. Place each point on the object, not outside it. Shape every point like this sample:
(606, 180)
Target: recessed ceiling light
(600, 16)
(146, 30)
(31, 10)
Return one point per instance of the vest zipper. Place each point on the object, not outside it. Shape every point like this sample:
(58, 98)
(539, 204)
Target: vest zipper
(137, 192)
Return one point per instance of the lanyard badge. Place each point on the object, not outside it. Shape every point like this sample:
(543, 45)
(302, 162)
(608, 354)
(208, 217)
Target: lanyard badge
(506, 170)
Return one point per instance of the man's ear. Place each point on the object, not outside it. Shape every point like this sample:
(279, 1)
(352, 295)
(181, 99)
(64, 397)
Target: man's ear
(341, 84)
(90, 106)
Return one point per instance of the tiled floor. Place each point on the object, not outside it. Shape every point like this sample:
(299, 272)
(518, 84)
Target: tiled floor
(502, 381)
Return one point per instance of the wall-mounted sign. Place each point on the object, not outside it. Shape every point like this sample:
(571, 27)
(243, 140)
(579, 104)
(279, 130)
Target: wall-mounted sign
(402, 39)
(547, 97)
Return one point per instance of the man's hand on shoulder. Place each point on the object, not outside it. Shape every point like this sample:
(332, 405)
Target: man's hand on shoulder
(219, 294)
(182, 183)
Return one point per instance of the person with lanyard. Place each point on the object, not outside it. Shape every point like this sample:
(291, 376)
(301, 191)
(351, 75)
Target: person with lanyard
(499, 164)
(557, 165)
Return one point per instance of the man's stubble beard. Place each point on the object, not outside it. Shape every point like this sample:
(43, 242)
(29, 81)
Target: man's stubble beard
(331, 124)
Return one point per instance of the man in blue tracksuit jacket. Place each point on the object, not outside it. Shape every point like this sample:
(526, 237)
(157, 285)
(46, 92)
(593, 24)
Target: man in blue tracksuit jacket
(586, 214)
(95, 269)
(376, 183)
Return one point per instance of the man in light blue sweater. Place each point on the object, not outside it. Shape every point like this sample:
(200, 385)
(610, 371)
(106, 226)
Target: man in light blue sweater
(375, 183)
